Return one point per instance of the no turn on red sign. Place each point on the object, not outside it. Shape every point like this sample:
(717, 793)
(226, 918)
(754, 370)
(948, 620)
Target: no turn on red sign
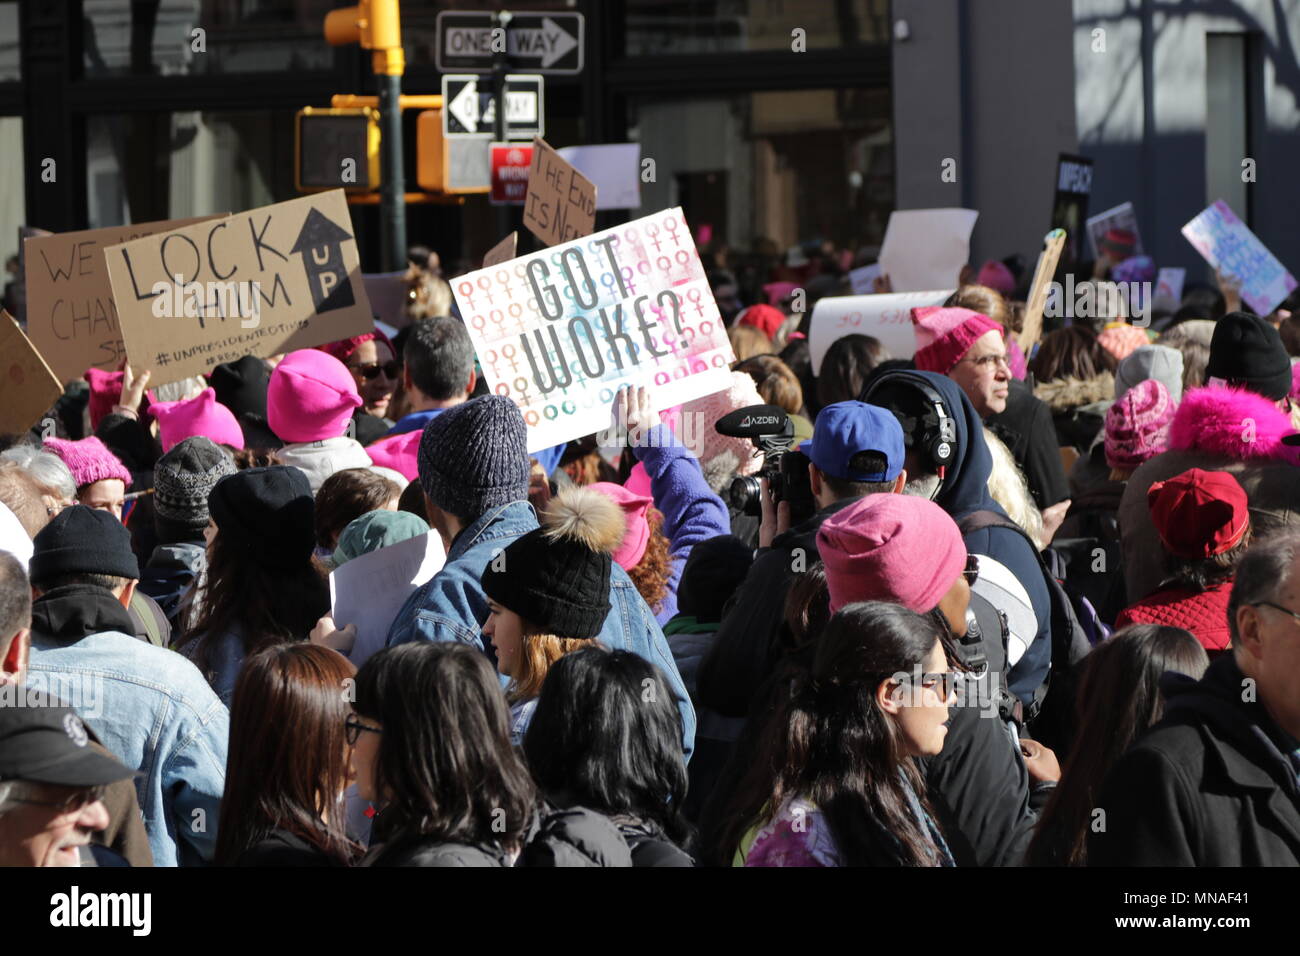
(510, 165)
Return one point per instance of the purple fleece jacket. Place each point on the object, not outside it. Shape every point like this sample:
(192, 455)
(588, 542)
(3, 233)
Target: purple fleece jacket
(692, 512)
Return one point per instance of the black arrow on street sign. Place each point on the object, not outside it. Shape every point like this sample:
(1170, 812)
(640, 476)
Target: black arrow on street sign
(322, 258)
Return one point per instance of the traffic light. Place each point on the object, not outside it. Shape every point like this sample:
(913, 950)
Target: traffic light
(376, 25)
(337, 148)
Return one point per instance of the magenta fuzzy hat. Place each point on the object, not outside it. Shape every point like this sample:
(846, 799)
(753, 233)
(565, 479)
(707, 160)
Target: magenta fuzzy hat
(399, 452)
(995, 275)
(896, 548)
(105, 390)
(200, 415)
(636, 509)
(311, 397)
(88, 460)
(1137, 425)
(1233, 422)
(945, 333)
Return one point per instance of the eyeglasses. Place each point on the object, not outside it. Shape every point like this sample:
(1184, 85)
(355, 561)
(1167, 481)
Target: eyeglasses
(352, 728)
(1278, 607)
(972, 570)
(370, 371)
(986, 362)
(73, 803)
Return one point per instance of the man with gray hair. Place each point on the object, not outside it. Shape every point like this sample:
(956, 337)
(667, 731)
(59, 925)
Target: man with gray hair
(1217, 781)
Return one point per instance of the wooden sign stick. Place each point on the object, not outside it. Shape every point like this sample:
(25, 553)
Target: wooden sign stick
(1032, 327)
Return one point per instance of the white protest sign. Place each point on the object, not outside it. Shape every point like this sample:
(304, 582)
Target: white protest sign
(1169, 288)
(558, 331)
(887, 318)
(862, 281)
(1225, 242)
(1122, 217)
(926, 248)
(615, 168)
(369, 590)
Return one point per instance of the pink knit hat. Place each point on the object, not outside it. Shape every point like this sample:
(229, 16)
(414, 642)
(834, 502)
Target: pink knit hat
(1122, 340)
(398, 452)
(721, 456)
(635, 507)
(88, 460)
(887, 547)
(200, 415)
(998, 277)
(1137, 426)
(105, 390)
(765, 318)
(944, 334)
(311, 397)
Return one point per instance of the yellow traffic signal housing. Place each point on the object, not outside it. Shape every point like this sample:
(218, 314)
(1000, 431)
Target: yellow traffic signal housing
(337, 148)
(444, 165)
(376, 25)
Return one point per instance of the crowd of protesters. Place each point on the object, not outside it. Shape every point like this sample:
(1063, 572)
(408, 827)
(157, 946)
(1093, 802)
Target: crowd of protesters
(1010, 607)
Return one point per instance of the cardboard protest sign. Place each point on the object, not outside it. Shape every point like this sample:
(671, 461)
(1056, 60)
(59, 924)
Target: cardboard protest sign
(561, 203)
(388, 293)
(1169, 288)
(1032, 325)
(262, 282)
(71, 315)
(926, 248)
(560, 330)
(615, 168)
(28, 387)
(887, 317)
(1123, 217)
(503, 251)
(1225, 242)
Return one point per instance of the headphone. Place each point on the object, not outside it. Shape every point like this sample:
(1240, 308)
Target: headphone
(940, 445)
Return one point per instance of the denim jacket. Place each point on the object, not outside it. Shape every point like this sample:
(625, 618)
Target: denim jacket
(451, 605)
(149, 706)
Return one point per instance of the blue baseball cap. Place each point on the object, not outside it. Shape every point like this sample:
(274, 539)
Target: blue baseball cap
(846, 428)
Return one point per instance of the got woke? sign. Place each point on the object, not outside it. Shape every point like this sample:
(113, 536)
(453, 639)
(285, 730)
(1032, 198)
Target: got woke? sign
(560, 330)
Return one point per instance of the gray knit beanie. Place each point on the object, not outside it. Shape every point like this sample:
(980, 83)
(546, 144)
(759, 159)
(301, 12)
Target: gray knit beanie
(1160, 362)
(474, 457)
(184, 477)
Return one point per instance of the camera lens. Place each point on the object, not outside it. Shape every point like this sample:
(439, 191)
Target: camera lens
(744, 495)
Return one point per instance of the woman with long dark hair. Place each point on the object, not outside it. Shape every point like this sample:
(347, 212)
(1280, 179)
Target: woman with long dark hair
(834, 783)
(263, 584)
(431, 750)
(1118, 699)
(606, 735)
(287, 766)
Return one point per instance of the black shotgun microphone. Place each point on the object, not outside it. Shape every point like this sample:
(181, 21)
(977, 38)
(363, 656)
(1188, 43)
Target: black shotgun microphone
(756, 421)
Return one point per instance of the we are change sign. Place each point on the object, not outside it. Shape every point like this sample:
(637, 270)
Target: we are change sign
(559, 331)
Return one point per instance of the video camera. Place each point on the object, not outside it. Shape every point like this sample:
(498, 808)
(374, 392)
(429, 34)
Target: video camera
(786, 471)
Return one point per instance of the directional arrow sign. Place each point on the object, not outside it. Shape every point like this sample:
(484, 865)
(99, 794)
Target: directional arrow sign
(538, 42)
(471, 108)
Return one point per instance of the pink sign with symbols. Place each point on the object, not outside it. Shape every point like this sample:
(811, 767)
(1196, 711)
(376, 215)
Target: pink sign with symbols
(560, 330)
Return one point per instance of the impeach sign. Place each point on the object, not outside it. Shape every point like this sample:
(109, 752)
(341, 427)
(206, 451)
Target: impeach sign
(263, 282)
(558, 331)
(71, 316)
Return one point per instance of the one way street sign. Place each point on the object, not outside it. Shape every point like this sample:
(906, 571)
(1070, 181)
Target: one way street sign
(536, 42)
(469, 107)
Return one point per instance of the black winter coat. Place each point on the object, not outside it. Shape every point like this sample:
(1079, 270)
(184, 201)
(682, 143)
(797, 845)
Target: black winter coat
(1210, 785)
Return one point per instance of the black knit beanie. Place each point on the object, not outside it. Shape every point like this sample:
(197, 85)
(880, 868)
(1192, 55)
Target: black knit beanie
(474, 457)
(1247, 351)
(267, 514)
(557, 577)
(184, 477)
(83, 540)
(713, 571)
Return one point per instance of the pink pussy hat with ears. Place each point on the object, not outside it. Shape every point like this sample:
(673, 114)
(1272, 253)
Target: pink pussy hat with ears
(945, 333)
(105, 390)
(996, 276)
(311, 397)
(89, 460)
(635, 509)
(200, 415)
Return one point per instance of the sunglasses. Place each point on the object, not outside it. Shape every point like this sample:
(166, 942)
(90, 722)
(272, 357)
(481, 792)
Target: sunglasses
(943, 683)
(370, 371)
(73, 803)
(352, 729)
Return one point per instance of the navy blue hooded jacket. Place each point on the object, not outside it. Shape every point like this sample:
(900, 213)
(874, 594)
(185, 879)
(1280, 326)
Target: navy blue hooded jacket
(965, 490)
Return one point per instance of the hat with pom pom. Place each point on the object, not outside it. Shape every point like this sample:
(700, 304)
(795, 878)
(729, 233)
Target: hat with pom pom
(557, 577)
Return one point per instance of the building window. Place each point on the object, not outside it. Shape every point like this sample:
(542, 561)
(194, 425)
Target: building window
(659, 27)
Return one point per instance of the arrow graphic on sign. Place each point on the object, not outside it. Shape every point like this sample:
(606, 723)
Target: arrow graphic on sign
(551, 42)
(464, 107)
(322, 258)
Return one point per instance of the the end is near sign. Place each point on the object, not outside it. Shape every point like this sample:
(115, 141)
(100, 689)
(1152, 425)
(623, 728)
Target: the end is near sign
(262, 282)
(561, 202)
(560, 330)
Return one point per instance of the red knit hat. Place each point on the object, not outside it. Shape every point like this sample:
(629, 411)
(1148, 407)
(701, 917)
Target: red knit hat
(1199, 514)
(945, 334)
(345, 347)
(765, 318)
(105, 390)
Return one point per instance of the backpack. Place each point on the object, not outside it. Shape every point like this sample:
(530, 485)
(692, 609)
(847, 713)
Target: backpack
(1050, 717)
